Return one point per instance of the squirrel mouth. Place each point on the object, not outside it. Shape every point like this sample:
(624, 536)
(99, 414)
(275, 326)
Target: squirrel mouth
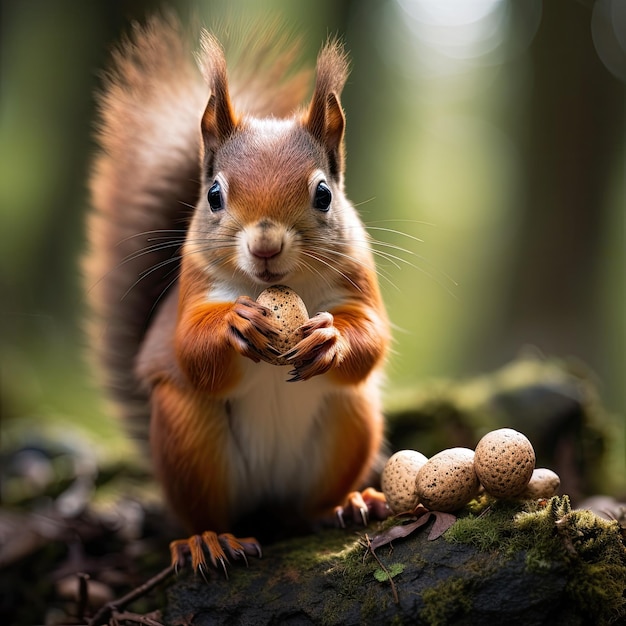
(269, 277)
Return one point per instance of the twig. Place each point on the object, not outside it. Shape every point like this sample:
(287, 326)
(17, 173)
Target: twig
(83, 594)
(137, 619)
(394, 591)
(484, 512)
(101, 617)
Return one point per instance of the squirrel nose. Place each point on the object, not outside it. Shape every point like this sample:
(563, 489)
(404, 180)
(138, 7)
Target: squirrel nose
(265, 240)
(265, 251)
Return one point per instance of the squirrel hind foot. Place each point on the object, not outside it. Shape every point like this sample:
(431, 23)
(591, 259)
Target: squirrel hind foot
(220, 548)
(361, 506)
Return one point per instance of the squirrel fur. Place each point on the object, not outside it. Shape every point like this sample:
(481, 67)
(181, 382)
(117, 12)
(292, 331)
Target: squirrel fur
(207, 189)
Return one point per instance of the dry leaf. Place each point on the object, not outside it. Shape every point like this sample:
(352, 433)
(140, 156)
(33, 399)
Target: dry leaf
(443, 521)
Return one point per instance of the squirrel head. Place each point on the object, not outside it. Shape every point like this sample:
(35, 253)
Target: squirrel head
(323, 120)
(273, 187)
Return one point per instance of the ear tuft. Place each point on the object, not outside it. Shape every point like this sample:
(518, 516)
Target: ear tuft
(325, 119)
(219, 120)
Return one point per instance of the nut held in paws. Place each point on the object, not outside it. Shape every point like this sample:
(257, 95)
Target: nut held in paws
(288, 313)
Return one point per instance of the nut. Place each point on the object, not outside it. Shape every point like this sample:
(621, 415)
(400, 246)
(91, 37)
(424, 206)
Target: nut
(544, 483)
(447, 482)
(398, 480)
(504, 462)
(288, 313)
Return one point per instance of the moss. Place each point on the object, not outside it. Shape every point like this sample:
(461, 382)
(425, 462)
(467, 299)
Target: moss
(446, 602)
(372, 608)
(583, 548)
(349, 572)
(597, 558)
(487, 525)
(590, 548)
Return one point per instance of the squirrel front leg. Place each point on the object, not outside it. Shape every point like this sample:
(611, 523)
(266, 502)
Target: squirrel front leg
(210, 334)
(349, 342)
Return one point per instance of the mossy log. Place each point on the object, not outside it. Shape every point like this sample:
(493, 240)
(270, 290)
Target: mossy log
(500, 563)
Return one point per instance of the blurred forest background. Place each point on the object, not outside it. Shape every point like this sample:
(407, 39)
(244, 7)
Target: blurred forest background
(485, 137)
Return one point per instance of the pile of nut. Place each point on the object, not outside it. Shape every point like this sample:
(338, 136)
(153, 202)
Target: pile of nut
(503, 464)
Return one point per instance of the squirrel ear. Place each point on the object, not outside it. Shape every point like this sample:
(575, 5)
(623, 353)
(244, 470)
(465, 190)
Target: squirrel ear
(325, 119)
(219, 120)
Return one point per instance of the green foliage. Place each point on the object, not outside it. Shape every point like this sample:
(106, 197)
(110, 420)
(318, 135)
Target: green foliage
(393, 570)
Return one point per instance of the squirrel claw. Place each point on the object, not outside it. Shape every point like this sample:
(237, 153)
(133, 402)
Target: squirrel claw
(295, 376)
(251, 331)
(360, 506)
(218, 548)
(318, 352)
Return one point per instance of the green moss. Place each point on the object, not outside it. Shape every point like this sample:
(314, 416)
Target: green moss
(372, 607)
(350, 572)
(597, 558)
(446, 602)
(488, 524)
(590, 548)
(585, 549)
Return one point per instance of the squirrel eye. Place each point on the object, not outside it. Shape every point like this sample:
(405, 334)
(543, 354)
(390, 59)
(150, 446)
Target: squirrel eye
(215, 197)
(323, 196)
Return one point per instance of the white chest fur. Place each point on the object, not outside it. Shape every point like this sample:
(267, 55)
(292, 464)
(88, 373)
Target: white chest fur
(272, 425)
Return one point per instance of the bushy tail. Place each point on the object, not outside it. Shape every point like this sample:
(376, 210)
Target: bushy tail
(146, 180)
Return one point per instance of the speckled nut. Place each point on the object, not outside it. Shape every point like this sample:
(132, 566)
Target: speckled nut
(398, 480)
(504, 462)
(544, 483)
(288, 313)
(447, 482)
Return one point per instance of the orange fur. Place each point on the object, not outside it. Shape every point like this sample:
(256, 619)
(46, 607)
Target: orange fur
(189, 449)
(229, 433)
(353, 432)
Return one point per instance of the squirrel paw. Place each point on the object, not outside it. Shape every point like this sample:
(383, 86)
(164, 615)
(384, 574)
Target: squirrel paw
(318, 352)
(360, 506)
(218, 547)
(251, 331)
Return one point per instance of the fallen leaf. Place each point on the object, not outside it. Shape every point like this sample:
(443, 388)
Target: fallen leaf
(397, 532)
(443, 521)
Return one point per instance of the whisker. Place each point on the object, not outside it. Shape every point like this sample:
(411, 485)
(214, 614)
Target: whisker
(148, 250)
(149, 271)
(358, 204)
(400, 221)
(180, 232)
(379, 270)
(443, 276)
(158, 247)
(162, 294)
(303, 264)
(332, 267)
(395, 232)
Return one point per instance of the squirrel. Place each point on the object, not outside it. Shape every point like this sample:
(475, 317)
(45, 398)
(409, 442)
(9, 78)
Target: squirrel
(207, 189)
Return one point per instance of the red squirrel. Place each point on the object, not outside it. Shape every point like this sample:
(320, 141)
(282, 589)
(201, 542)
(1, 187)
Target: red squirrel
(202, 199)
